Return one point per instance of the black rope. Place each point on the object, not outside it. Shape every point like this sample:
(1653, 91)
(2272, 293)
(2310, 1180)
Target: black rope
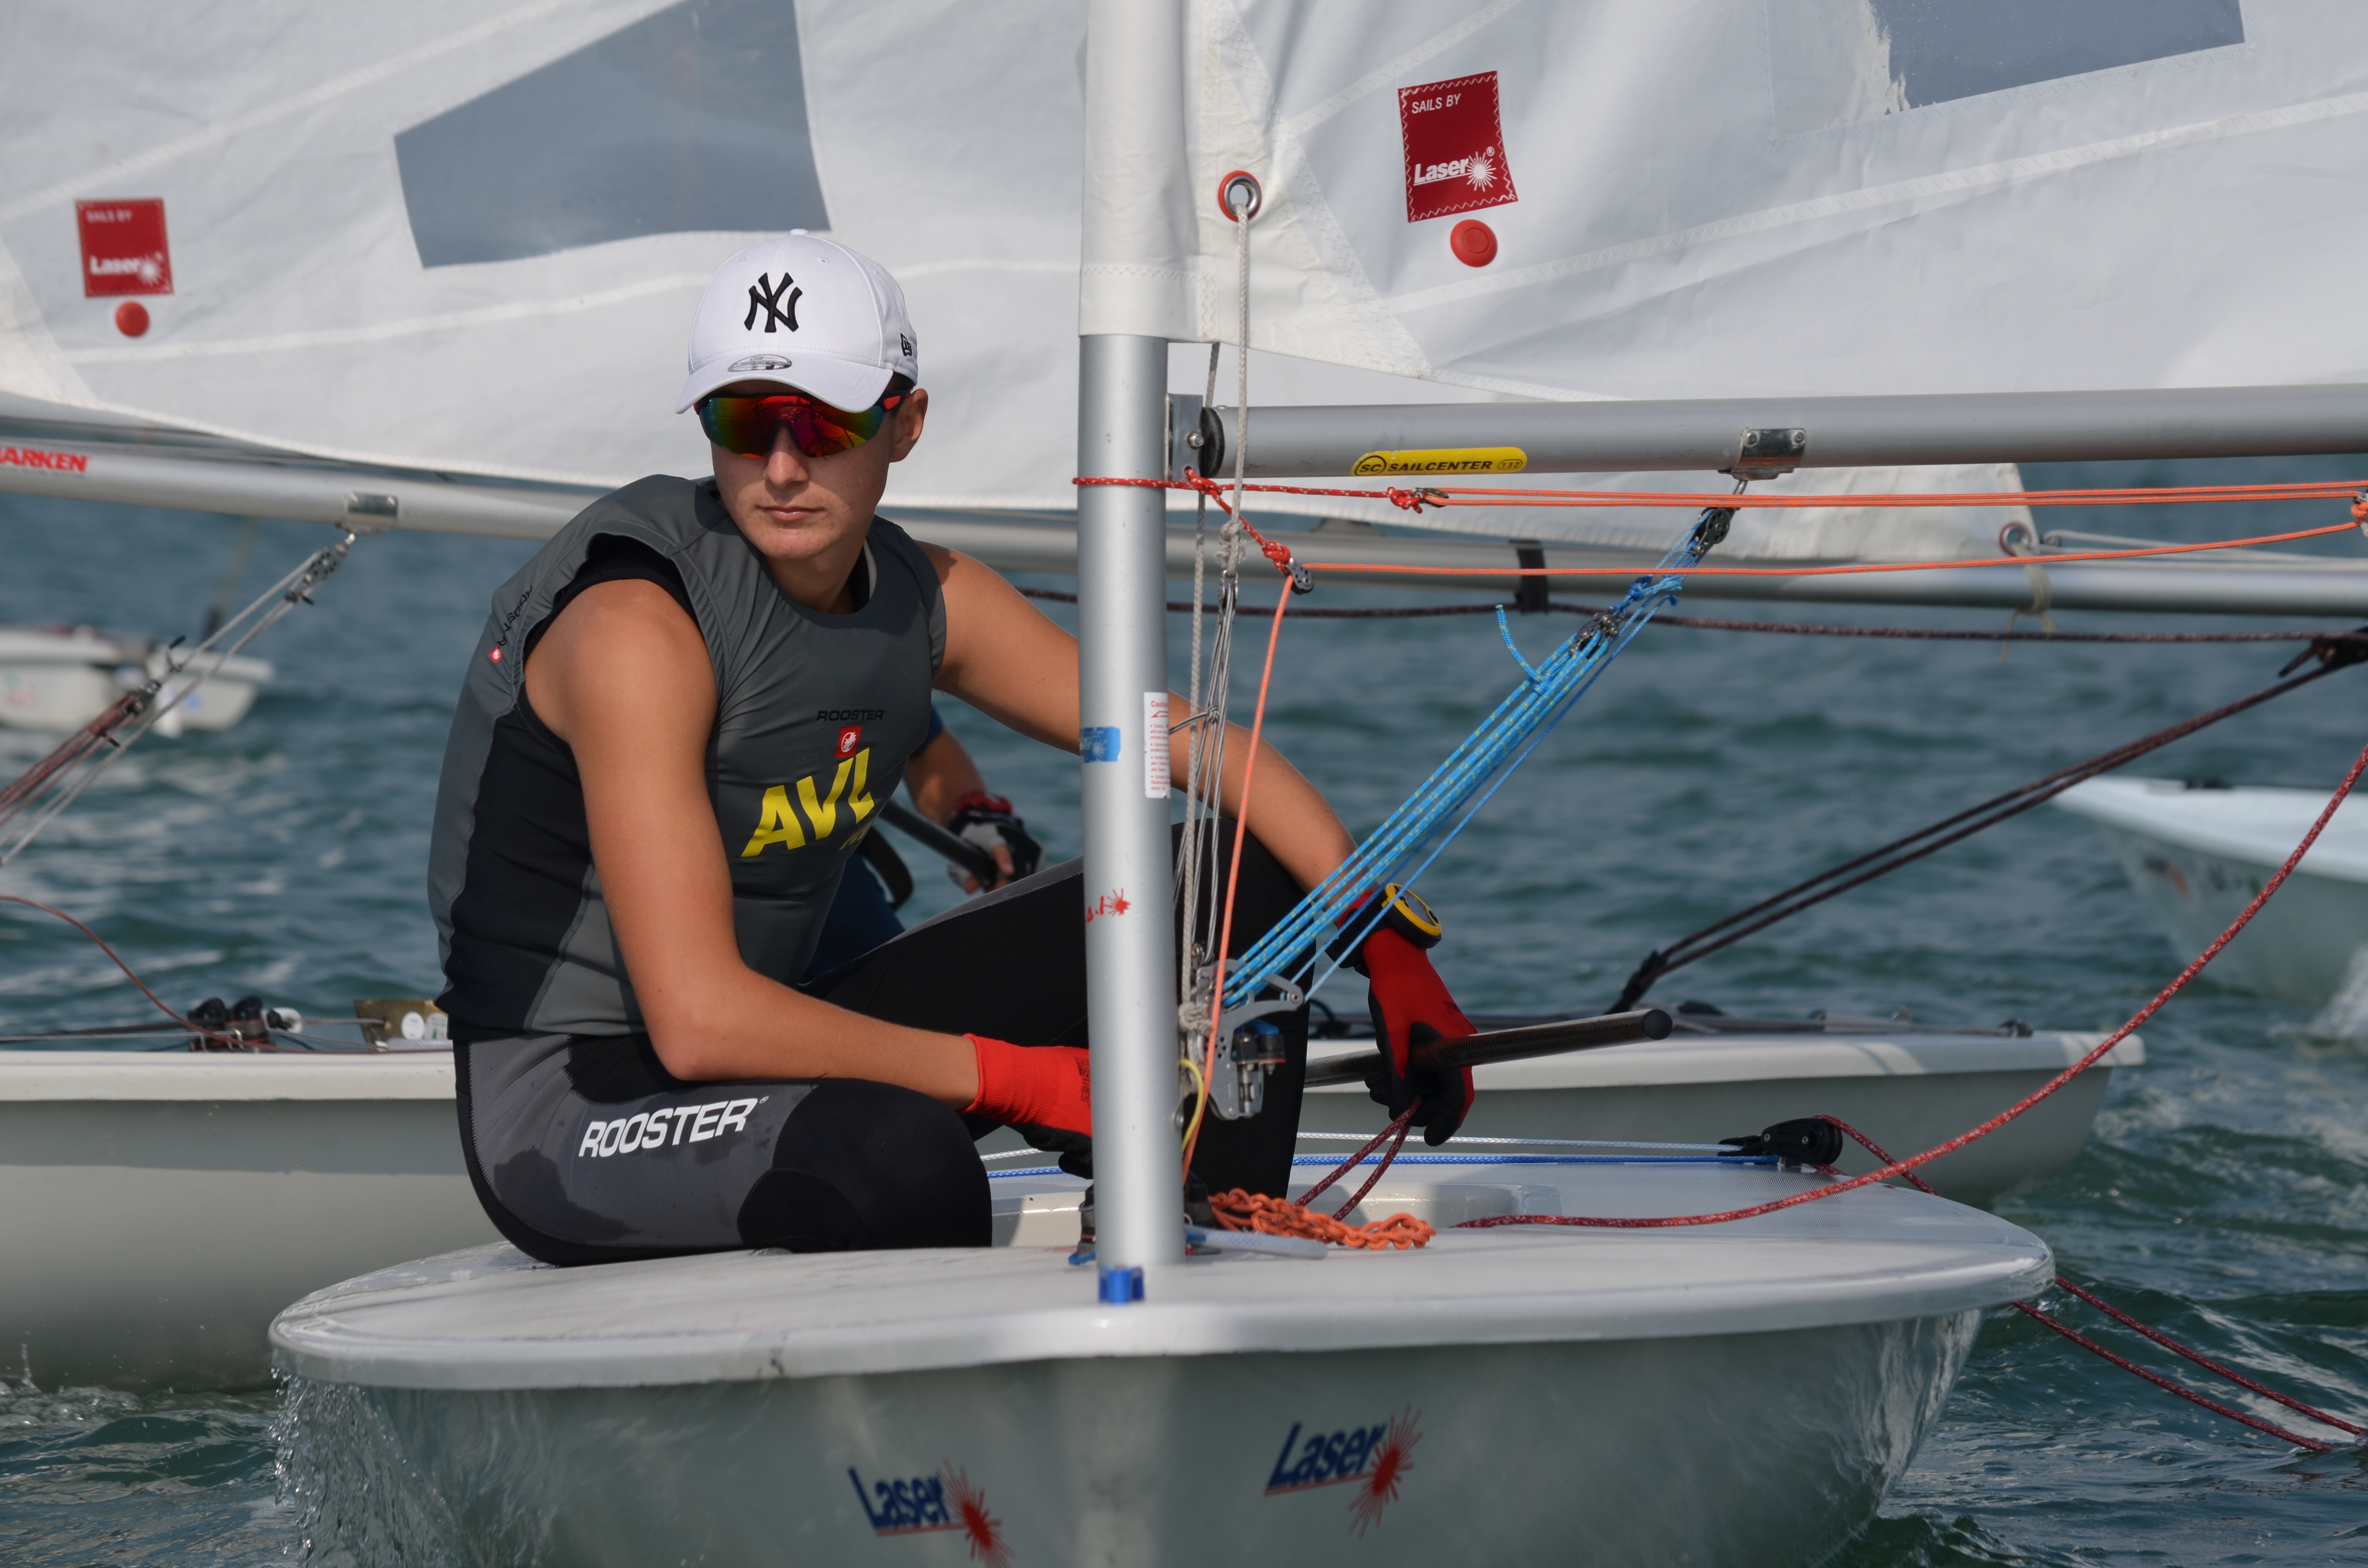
(1924, 841)
(1413, 612)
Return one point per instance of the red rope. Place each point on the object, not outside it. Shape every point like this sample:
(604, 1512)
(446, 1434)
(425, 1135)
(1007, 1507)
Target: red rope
(199, 1029)
(1397, 1129)
(1902, 1167)
(1404, 1125)
(2082, 1340)
(1872, 1147)
(2206, 1362)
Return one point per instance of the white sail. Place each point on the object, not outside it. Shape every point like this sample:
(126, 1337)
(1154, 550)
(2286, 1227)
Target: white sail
(431, 237)
(1777, 196)
(437, 238)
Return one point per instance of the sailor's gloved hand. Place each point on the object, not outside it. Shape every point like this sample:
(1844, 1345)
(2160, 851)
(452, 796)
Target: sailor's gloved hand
(1033, 1087)
(1411, 1007)
(989, 822)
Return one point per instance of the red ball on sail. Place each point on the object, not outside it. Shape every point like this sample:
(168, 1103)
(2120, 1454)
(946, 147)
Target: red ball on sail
(131, 318)
(1474, 243)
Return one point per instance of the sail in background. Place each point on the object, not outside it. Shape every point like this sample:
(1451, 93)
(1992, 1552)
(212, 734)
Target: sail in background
(437, 236)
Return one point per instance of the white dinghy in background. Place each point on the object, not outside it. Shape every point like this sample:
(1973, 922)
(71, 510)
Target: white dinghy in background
(60, 677)
(1742, 1394)
(2197, 852)
(164, 1205)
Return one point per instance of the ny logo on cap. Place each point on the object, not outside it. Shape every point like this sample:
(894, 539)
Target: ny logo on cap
(767, 296)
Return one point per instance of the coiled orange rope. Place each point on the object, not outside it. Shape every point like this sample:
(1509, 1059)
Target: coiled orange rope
(1241, 1210)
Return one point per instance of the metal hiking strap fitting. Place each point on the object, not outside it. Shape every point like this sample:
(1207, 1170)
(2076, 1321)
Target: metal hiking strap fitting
(1769, 453)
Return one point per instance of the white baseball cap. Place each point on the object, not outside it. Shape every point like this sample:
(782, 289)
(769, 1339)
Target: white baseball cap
(807, 315)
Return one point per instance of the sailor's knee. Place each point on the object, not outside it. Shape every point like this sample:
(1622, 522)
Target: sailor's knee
(862, 1165)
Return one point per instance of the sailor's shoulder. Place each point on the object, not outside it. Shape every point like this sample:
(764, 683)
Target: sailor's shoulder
(890, 541)
(657, 497)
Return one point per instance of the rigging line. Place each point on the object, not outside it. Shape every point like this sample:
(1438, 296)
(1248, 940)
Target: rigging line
(1794, 629)
(2085, 1343)
(2355, 490)
(140, 714)
(116, 958)
(2096, 1054)
(2209, 1365)
(1188, 874)
(1522, 717)
(1856, 568)
(1234, 873)
(1914, 847)
(1210, 814)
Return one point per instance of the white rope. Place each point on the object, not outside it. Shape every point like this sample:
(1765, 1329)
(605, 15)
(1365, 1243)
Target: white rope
(1205, 768)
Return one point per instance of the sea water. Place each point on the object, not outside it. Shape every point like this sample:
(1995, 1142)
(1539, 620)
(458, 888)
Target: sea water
(2224, 1195)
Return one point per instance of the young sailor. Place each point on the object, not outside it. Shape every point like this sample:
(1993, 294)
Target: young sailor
(673, 734)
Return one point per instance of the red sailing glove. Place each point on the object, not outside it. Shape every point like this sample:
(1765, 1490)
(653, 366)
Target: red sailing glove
(1411, 1007)
(1034, 1085)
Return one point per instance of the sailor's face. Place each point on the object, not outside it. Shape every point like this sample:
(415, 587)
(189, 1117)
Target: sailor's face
(798, 511)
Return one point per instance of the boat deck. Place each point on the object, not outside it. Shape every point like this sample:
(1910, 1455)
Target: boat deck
(490, 1318)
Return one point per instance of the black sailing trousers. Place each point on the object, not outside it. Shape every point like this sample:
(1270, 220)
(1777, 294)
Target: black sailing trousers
(586, 1149)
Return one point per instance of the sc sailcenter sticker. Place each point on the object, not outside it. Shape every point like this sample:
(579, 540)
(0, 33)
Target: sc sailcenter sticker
(1445, 459)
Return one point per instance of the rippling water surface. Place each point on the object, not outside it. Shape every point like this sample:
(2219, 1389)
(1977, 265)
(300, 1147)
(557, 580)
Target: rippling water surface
(2225, 1194)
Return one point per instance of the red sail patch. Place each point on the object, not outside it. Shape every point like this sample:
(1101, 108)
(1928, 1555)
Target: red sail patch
(123, 249)
(1454, 149)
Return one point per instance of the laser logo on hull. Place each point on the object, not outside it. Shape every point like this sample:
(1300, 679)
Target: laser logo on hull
(1374, 1459)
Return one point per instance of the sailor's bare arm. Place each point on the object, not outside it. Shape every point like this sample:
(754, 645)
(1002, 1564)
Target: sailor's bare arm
(624, 678)
(1003, 657)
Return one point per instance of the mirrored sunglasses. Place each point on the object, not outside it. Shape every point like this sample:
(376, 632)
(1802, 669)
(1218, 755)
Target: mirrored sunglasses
(747, 426)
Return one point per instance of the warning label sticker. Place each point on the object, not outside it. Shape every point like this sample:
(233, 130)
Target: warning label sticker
(123, 249)
(1454, 151)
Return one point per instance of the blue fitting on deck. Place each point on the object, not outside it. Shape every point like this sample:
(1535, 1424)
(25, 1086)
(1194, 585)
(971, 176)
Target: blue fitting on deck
(1121, 1287)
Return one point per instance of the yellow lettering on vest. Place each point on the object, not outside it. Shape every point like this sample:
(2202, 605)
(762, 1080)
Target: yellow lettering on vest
(824, 815)
(780, 824)
(858, 800)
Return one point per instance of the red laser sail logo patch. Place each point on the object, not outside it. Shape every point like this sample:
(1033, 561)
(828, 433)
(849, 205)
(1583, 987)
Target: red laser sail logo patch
(123, 249)
(1454, 148)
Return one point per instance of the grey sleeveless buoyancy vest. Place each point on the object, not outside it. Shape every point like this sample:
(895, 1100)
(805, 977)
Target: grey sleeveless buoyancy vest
(816, 715)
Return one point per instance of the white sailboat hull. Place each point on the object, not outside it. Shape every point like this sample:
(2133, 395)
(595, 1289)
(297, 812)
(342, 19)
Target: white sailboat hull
(2198, 856)
(161, 1207)
(1735, 1394)
(1647, 1452)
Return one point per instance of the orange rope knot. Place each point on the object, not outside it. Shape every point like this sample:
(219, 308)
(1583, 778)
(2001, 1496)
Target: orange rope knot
(1415, 500)
(1239, 1210)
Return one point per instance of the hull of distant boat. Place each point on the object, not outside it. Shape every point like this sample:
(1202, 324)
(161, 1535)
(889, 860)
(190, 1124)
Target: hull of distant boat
(1757, 1450)
(160, 1208)
(2197, 857)
(1905, 1091)
(61, 680)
